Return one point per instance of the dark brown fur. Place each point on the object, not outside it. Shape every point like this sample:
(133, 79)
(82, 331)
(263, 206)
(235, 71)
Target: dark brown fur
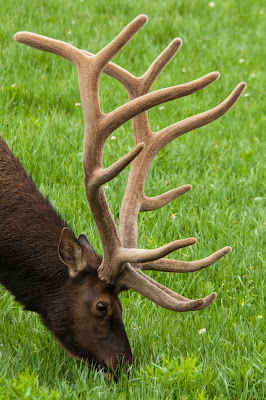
(31, 269)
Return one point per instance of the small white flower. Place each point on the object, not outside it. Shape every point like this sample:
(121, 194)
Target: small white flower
(259, 316)
(211, 4)
(77, 104)
(201, 331)
(183, 69)
(216, 146)
(161, 108)
(173, 216)
(242, 60)
(246, 94)
(14, 85)
(113, 138)
(253, 75)
(106, 186)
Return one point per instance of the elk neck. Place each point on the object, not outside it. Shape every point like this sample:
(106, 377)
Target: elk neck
(31, 270)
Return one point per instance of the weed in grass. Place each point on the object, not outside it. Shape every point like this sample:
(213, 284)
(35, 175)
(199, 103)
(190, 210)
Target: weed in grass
(26, 386)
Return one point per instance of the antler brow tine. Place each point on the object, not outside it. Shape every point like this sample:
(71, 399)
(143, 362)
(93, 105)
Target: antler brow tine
(157, 293)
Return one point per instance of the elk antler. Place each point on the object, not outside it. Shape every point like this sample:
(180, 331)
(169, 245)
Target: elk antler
(122, 262)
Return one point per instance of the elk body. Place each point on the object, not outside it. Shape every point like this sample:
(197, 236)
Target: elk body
(60, 277)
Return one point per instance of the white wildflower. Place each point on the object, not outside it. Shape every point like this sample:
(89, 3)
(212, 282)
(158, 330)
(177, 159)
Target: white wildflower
(242, 60)
(113, 138)
(161, 108)
(77, 104)
(211, 4)
(259, 316)
(201, 331)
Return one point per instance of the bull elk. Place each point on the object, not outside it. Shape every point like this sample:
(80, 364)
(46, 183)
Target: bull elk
(61, 277)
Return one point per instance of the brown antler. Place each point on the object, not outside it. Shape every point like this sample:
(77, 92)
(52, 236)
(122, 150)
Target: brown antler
(122, 261)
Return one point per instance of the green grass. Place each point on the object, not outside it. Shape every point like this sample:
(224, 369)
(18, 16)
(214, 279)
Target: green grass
(223, 162)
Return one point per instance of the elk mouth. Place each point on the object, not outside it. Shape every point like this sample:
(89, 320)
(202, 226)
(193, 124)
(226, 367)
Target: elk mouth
(111, 373)
(112, 367)
(111, 370)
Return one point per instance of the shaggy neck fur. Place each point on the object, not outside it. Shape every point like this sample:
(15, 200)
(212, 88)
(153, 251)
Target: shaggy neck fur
(30, 230)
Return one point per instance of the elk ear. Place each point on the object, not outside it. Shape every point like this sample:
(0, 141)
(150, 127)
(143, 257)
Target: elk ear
(70, 252)
(84, 242)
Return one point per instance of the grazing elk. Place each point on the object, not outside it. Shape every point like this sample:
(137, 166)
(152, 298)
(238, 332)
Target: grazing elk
(59, 276)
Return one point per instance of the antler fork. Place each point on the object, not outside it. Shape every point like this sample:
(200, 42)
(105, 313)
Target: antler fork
(122, 262)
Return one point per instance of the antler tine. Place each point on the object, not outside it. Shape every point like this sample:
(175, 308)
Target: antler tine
(160, 295)
(168, 134)
(150, 76)
(140, 256)
(207, 300)
(104, 175)
(45, 43)
(166, 265)
(154, 203)
(109, 51)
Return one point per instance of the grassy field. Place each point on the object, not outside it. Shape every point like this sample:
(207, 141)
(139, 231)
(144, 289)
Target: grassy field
(217, 353)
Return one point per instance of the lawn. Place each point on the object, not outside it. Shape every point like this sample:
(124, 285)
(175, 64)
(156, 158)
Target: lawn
(217, 353)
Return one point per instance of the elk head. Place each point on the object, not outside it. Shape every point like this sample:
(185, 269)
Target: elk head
(97, 334)
(122, 265)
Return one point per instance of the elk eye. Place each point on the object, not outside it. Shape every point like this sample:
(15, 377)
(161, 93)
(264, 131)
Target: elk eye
(102, 308)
